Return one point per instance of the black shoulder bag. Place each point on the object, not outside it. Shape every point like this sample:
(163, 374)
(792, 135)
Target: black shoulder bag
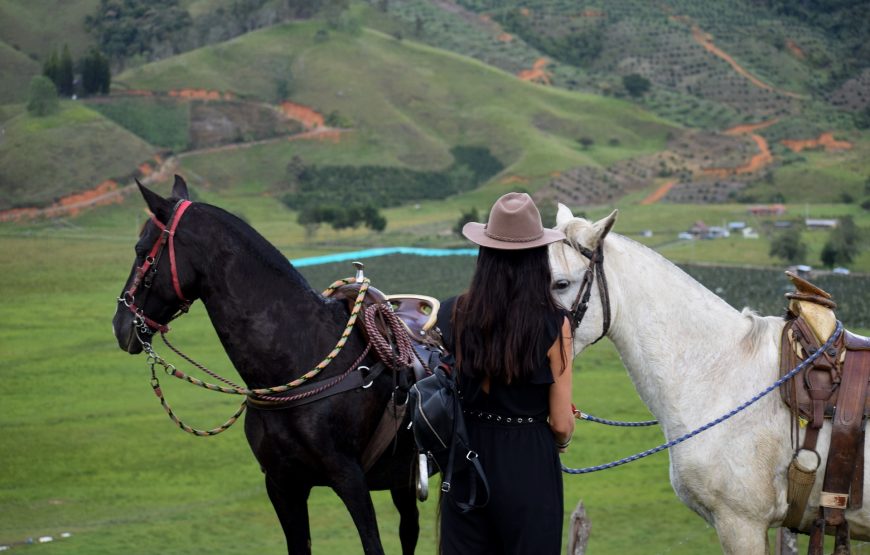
(440, 433)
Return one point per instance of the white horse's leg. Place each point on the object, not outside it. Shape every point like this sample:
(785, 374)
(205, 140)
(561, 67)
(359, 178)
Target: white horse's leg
(739, 536)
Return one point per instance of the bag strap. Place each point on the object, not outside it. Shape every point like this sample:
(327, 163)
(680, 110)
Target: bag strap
(470, 456)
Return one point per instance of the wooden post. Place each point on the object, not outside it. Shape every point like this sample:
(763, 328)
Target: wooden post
(786, 542)
(578, 534)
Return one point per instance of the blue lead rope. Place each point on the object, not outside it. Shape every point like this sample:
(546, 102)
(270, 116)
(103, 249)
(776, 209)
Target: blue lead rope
(809, 360)
(639, 424)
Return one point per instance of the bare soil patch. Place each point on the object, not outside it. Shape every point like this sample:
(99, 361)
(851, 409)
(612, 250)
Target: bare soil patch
(825, 141)
(659, 193)
(224, 122)
(106, 193)
(309, 117)
(754, 164)
(537, 74)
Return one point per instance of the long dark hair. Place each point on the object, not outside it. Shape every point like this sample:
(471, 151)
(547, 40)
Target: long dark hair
(500, 322)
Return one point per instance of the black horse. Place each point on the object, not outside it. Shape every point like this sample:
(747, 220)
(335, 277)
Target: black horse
(274, 328)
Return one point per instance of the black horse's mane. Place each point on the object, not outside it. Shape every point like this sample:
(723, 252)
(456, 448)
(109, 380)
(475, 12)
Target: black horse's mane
(256, 245)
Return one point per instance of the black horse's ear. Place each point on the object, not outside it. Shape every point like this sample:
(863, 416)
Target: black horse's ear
(179, 188)
(158, 205)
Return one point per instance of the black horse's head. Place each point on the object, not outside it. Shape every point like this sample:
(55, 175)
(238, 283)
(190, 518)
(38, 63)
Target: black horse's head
(161, 277)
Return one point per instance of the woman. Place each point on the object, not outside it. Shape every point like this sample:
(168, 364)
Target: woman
(512, 345)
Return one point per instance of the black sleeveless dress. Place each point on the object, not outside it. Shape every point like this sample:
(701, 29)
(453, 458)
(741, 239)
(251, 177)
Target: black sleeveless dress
(509, 430)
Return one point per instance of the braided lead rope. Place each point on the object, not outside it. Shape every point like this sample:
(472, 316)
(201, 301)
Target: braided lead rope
(325, 386)
(237, 390)
(806, 362)
(580, 415)
(403, 355)
(155, 384)
(154, 360)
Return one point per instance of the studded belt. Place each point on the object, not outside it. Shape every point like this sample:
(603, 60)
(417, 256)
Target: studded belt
(501, 419)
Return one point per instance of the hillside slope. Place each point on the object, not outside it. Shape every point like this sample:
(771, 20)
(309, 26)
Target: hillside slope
(43, 159)
(410, 101)
(710, 64)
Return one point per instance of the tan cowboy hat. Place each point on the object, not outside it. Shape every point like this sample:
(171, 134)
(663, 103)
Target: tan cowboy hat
(514, 224)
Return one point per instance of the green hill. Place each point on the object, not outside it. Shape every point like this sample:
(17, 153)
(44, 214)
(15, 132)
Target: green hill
(710, 64)
(410, 102)
(43, 159)
(16, 70)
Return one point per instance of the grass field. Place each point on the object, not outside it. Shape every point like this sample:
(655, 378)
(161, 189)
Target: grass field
(86, 448)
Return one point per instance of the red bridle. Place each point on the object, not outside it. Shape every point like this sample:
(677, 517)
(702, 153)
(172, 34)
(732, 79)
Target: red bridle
(145, 273)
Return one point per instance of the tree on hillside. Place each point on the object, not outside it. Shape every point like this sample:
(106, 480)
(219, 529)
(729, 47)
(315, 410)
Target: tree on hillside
(470, 215)
(788, 246)
(147, 28)
(96, 75)
(43, 97)
(842, 244)
(636, 85)
(51, 67)
(66, 75)
(339, 216)
(586, 142)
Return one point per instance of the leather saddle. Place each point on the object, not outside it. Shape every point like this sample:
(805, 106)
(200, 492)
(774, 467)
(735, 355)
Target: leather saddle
(835, 386)
(810, 322)
(418, 313)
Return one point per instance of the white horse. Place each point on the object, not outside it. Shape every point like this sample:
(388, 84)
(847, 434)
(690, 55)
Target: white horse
(693, 358)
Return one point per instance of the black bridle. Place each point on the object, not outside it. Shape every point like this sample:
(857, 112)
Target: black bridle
(581, 302)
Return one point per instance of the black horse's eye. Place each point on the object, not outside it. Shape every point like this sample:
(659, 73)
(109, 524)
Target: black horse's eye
(560, 285)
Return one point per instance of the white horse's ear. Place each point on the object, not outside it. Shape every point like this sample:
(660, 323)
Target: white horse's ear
(563, 215)
(603, 226)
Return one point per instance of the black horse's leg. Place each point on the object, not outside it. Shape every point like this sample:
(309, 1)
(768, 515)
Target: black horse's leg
(405, 500)
(349, 484)
(291, 505)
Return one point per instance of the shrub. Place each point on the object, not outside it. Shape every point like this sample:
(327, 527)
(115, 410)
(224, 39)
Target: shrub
(43, 97)
(636, 85)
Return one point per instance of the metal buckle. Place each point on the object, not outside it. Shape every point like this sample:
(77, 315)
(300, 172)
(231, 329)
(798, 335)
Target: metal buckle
(445, 487)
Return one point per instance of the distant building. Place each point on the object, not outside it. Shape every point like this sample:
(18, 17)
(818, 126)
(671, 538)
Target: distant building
(749, 233)
(814, 223)
(699, 229)
(716, 232)
(767, 210)
(733, 226)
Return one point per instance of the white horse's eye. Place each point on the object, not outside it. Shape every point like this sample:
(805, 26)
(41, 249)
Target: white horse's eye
(560, 285)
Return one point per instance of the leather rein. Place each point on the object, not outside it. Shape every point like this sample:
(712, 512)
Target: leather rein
(146, 272)
(581, 301)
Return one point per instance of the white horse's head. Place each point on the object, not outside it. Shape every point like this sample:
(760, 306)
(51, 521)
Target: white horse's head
(569, 261)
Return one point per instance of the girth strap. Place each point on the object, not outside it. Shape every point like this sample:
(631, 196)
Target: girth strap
(315, 391)
(386, 431)
(846, 439)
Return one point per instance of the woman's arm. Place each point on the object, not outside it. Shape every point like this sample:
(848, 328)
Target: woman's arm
(561, 356)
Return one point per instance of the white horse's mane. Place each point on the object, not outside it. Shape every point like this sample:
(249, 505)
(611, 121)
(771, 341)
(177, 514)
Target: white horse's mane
(759, 326)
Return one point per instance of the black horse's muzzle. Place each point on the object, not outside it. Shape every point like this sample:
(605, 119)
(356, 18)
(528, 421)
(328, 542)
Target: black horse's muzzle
(127, 331)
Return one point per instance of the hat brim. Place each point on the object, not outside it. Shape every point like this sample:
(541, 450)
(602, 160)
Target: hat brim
(476, 233)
